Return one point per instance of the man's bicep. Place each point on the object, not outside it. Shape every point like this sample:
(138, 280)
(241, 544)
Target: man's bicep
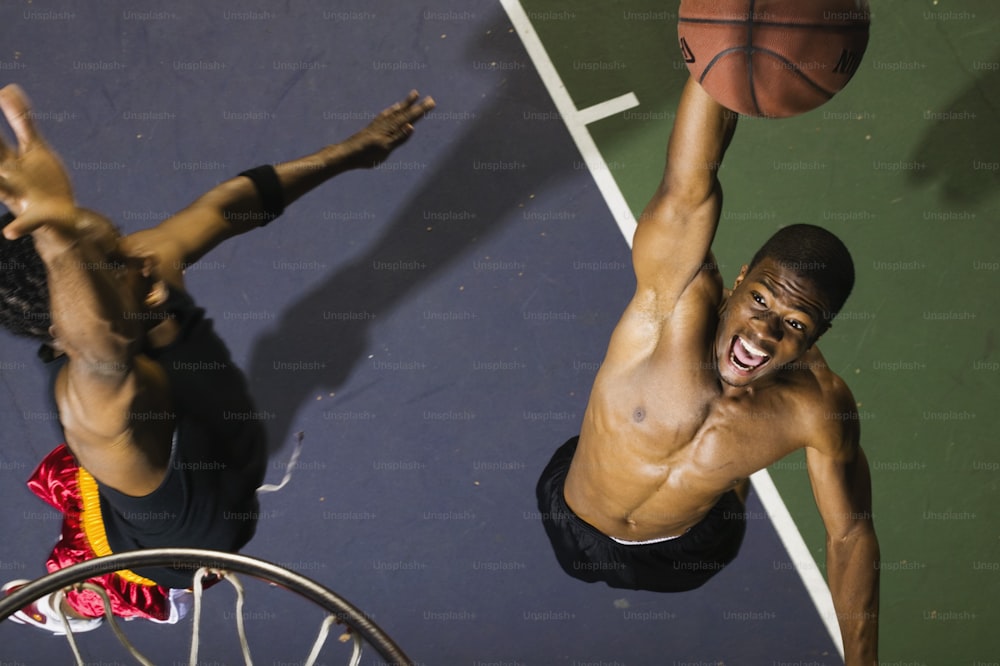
(841, 485)
(224, 211)
(673, 242)
(194, 231)
(120, 430)
(102, 403)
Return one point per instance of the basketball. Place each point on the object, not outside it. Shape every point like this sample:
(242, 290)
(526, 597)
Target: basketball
(773, 58)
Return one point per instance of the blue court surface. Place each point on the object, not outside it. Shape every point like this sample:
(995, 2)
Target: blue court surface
(432, 327)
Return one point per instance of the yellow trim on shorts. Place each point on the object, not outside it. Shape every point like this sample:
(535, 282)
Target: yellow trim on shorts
(93, 525)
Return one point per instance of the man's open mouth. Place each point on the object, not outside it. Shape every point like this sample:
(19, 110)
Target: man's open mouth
(745, 356)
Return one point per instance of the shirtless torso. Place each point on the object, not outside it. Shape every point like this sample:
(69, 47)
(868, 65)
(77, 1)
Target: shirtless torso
(663, 438)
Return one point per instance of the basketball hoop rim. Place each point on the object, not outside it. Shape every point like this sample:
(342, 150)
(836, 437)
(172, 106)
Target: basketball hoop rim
(196, 558)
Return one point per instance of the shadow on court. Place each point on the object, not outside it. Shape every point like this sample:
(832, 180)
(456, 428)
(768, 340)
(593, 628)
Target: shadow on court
(472, 189)
(955, 150)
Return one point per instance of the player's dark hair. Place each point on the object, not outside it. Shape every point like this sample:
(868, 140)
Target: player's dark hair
(817, 255)
(24, 288)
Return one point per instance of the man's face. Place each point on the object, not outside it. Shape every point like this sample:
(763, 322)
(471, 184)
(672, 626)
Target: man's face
(772, 317)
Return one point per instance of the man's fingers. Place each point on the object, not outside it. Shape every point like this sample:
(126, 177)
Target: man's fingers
(8, 195)
(16, 108)
(19, 227)
(416, 111)
(428, 104)
(402, 105)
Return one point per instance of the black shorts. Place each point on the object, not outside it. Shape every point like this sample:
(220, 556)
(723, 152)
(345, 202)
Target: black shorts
(676, 565)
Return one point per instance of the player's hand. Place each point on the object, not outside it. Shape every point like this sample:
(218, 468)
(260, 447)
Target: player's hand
(33, 183)
(388, 130)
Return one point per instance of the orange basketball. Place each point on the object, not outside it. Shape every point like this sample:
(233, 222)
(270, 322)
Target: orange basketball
(774, 58)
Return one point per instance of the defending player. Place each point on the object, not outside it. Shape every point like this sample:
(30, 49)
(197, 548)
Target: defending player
(162, 448)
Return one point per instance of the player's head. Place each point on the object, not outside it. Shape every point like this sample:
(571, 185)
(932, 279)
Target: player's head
(24, 293)
(24, 290)
(783, 301)
(817, 255)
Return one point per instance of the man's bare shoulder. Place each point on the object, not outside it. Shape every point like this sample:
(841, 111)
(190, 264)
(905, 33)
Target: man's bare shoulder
(827, 410)
(698, 302)
(651, 322)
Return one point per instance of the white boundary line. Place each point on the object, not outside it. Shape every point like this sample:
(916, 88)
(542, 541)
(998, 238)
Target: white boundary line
(607, 108)
(798, 551)
(567, 110)
(576, 122)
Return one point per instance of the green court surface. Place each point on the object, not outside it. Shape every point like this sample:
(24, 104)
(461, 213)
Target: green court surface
(903, 165)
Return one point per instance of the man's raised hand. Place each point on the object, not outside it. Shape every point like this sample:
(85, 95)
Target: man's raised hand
(388, 130)
(34, 185)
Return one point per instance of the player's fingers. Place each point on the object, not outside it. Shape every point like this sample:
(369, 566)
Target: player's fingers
(401, 105)
(18, 227)
(417, 111)
(8, 192)
(17, 110)
(6, 153)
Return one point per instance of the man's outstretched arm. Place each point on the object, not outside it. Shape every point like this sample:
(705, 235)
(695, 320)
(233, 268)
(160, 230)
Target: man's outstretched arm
(841, 483)
(237, 205)
(676, 229)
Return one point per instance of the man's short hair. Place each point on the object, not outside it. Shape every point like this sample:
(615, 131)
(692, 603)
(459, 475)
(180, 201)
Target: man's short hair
(817, 255)
(24, 288)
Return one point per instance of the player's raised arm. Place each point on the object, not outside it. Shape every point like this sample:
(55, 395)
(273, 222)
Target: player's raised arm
(93, 298)
(86, 298)
(257, 196)
(675, 230)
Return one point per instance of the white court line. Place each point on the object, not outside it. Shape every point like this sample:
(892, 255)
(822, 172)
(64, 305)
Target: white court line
(564, 105)
(576, 123)
(799, 553)
(607, 108)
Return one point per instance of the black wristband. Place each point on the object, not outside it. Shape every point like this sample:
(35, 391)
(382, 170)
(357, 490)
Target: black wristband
(265, 180)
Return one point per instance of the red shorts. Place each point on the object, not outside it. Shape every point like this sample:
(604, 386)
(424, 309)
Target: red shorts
(67, 487)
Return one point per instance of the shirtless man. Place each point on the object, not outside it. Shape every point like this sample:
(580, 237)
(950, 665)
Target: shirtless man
(700, 388)
(163, 445)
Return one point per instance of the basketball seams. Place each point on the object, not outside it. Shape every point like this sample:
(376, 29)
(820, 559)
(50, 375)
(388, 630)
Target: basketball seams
(792, 67)
(788, 64)
(750, 50)
(768, 44)
(719, 56)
